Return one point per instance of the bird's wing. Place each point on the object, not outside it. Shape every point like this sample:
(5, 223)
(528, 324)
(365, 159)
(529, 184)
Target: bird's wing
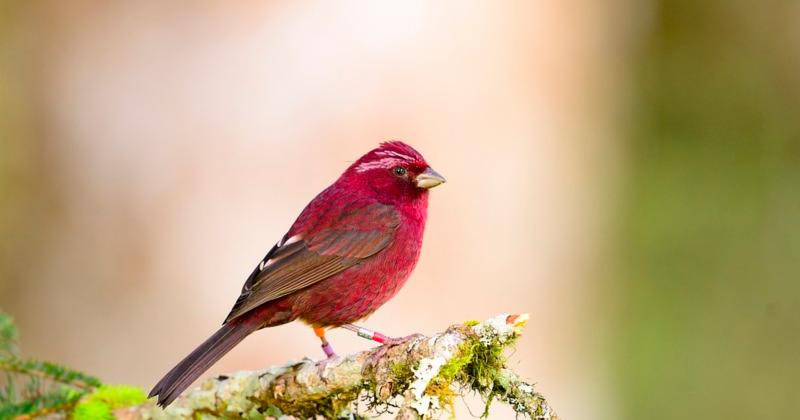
(359, 232)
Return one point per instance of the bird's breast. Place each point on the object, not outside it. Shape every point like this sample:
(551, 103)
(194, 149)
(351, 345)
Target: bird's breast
(358, 291)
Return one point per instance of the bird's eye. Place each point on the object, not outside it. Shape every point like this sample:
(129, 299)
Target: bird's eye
(399, 171)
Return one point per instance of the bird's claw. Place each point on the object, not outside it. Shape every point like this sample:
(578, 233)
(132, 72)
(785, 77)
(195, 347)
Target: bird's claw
(330, 355)
(323, 364)
(393, 341)
(380, 352)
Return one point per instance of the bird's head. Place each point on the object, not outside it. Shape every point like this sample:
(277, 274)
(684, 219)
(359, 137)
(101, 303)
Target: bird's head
(393, 171)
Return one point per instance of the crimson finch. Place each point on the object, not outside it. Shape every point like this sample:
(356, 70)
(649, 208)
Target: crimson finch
(350, 250)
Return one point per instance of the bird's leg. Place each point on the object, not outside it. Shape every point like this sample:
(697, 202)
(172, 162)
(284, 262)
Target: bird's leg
(387, 342)
(376, 336)
(366, 333)
(326, 346)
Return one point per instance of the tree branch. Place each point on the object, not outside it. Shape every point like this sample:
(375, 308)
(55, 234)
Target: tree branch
(419, 377)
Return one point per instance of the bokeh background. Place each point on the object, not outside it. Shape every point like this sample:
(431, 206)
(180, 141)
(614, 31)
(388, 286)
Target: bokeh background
(628, 172)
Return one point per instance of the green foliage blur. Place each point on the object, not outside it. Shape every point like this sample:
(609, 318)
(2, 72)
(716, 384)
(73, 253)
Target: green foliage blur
(709, 267)
(29, 387)
(101, 403)
(35, 388)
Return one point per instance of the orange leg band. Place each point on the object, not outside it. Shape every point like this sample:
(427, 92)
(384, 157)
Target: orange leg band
(319, 332)
(326, 346)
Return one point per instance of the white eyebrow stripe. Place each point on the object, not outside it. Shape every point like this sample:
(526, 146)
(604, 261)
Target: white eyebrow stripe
(385, 163)
(394, 154)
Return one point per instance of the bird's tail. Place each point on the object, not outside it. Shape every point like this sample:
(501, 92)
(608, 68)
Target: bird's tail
(198, 361)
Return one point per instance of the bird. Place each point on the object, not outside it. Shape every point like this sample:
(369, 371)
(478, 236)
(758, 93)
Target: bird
(349, 251)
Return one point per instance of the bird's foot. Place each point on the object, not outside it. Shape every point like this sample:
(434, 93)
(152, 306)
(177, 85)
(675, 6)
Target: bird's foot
(393, 341)
(381, 351)
(387, 342)
(330, 356)
(376, 336)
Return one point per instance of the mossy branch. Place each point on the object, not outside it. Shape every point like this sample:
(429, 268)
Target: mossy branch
(417, 378)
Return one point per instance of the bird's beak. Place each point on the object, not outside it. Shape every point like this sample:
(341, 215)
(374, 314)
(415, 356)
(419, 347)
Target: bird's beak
(429, 179)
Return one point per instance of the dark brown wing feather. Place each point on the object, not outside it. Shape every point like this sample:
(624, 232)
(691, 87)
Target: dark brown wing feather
(359, 233)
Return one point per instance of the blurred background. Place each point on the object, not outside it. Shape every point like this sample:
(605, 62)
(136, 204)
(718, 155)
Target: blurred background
(628, 172)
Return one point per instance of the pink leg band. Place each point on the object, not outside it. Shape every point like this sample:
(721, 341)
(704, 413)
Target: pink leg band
(367, 333)
(379, 337)
(328, 350)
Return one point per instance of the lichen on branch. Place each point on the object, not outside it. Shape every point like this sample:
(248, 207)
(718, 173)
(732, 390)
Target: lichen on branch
(417, 378)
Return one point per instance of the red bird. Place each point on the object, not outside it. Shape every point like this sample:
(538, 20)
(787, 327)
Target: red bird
(349, 252)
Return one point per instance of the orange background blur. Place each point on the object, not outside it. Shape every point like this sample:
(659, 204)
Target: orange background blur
(152, 152)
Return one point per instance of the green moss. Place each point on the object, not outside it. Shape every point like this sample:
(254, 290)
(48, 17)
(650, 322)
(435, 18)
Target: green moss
(341, 402)
(273, 411)
(92, 410)
(118, 396)
(487, 361)
(331, 405)
(254, 414)
(403, 373)
(100, 404)
(203, 415)
(476, 366)
(441, 386)
(456, 365)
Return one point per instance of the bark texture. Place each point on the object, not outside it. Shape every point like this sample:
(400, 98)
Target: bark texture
(419, 378)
